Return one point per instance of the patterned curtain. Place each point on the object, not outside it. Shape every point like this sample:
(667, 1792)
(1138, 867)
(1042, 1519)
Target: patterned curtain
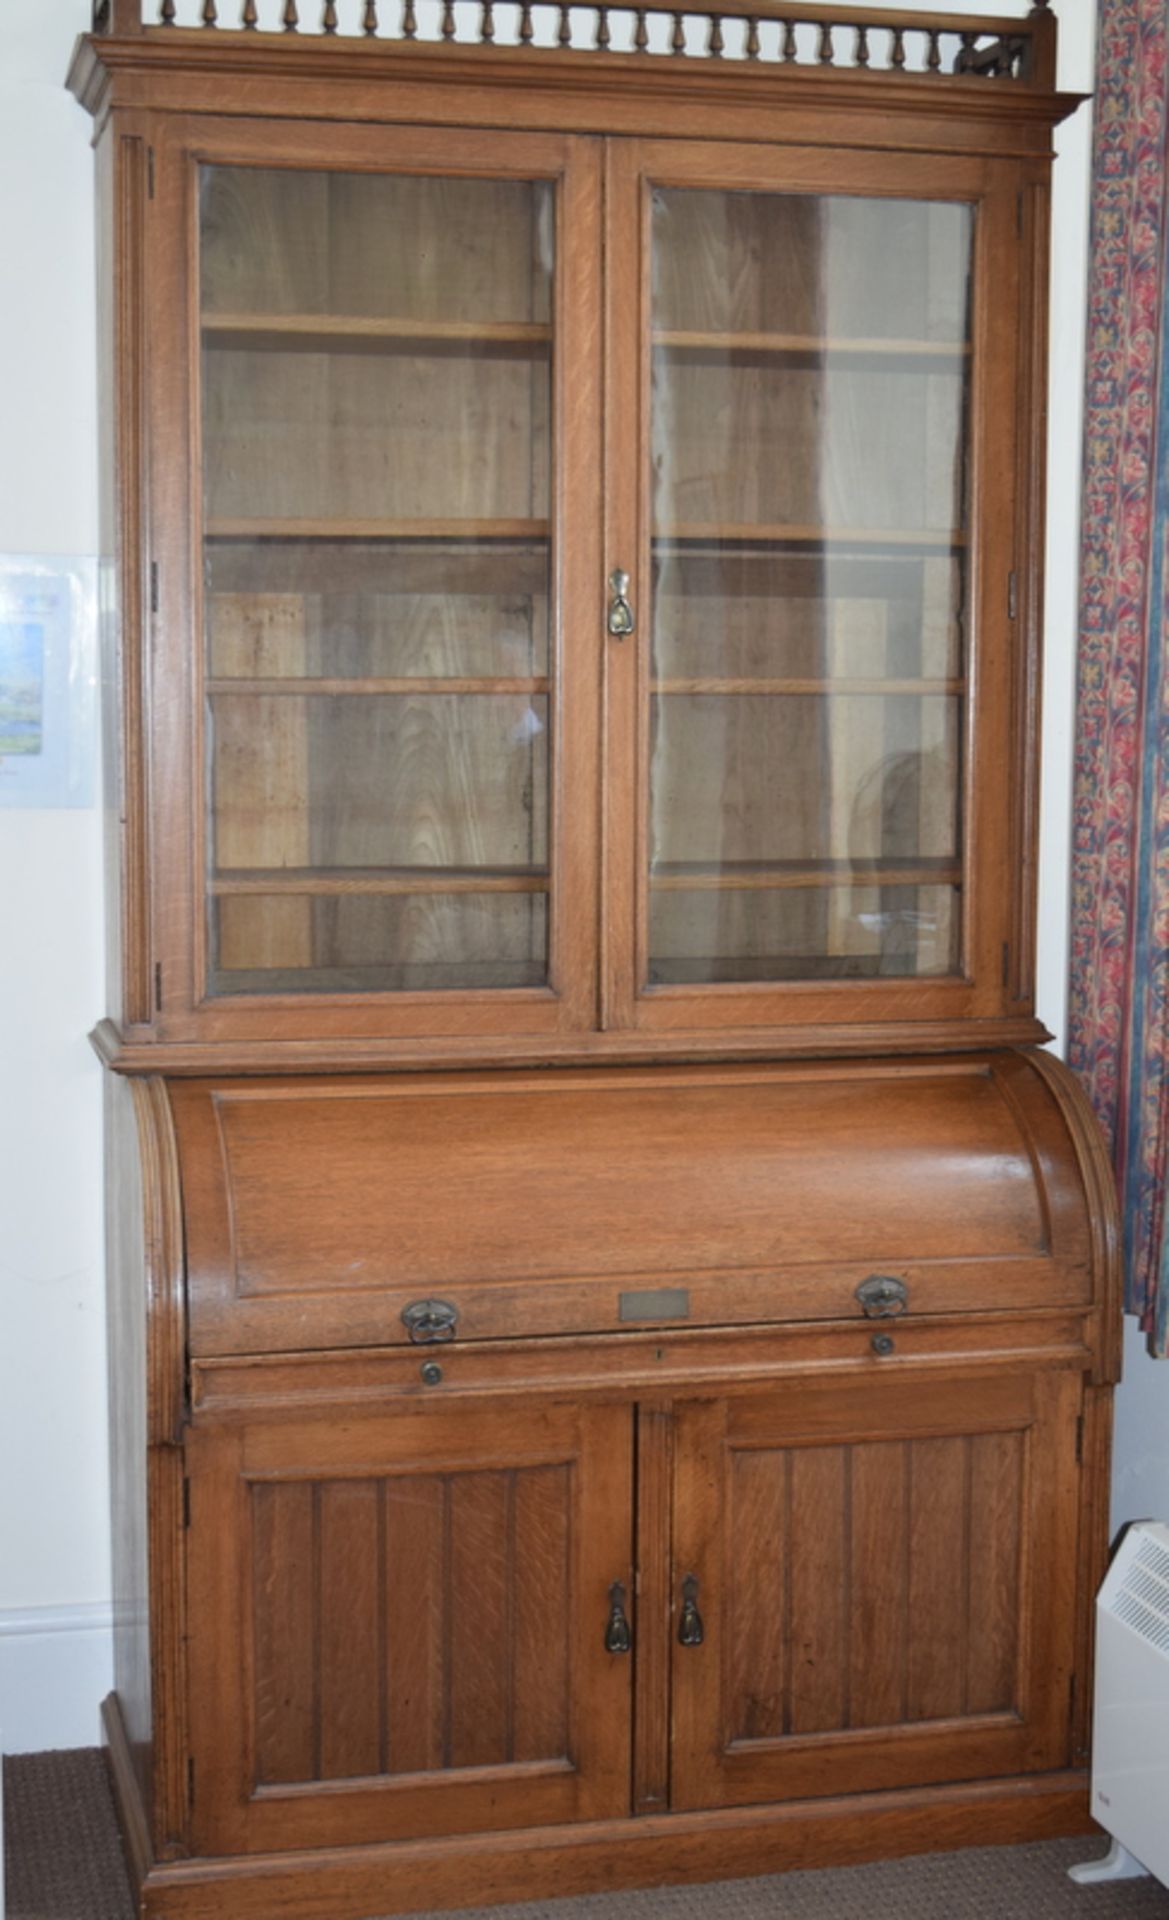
(1119, 1010)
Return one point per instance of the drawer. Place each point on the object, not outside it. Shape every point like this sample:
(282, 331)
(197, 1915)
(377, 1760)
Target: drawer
(320, 1212)
(636, 1366)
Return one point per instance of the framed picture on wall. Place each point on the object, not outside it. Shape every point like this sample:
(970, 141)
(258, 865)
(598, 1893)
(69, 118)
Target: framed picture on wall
(48, 654)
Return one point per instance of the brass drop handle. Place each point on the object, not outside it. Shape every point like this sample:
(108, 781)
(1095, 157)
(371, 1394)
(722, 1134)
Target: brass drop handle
(621, 621)
(691, 1632)
(618, 1638)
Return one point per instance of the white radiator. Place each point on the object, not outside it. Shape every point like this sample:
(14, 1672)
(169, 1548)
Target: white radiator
(1130, 1742)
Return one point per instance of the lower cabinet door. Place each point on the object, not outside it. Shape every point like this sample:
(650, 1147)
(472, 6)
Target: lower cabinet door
(873, 1585)
(398, 1623)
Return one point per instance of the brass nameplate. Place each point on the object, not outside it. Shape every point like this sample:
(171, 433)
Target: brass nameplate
(657, 1303)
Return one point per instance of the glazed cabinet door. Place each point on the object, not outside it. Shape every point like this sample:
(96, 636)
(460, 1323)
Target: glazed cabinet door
(818, 783)
(400, 1623)
(373, 582)
(872, 1585)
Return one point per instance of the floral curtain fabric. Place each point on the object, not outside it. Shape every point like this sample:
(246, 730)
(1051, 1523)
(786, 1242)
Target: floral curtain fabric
(1119, 1007)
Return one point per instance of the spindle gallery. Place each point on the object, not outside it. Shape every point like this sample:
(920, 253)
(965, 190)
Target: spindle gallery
(881, 41)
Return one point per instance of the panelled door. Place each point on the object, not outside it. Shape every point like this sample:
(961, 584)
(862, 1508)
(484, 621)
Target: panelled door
(400, 1623)
(871, 1585)
(812, 379)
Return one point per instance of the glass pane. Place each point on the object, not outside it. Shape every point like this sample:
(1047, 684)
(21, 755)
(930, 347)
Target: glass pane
(378, 671)
(811, 364)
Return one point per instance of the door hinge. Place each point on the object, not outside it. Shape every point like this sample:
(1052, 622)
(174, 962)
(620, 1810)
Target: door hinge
(154, 586)
(150, 173)
(1012, 595)
(158, 986)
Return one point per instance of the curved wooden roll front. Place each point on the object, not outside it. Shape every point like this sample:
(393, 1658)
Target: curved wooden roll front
(329, 1212)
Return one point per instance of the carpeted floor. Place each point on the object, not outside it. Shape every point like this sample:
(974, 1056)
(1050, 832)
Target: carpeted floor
(63, 1862)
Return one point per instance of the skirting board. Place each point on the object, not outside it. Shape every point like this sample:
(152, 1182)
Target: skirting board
(411, 1876)
(56, 1667)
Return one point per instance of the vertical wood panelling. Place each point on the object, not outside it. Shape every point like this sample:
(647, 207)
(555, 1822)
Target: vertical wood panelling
(285, 1631)
(996, 1518)
(350, 1616)
(879, 1626)
(881, 1585)
(938, 1573)
(538, 1575)
(759, 1491)
(412, 1624)
(654, 1555)
(414, 1548)
(819, 1588)
(478, 1729)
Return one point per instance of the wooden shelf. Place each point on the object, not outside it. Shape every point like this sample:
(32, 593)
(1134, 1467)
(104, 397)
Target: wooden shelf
(298, 687)
(704, 878)
(453, 530)
(798, 346)
(357, 333)
(693, 533)
(341, 883)
(813, 688)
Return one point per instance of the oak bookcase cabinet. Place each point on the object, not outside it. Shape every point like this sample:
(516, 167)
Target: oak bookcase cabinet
(612, 1310)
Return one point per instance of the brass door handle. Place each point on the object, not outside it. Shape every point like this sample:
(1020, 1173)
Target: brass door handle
(621, 620)
(691, 1632)
(618, 1638)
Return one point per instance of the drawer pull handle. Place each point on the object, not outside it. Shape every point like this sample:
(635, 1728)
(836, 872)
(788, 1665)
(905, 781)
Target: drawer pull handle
(428, 1321)
(883, 1297)
(691, 1632)
(618, 1638)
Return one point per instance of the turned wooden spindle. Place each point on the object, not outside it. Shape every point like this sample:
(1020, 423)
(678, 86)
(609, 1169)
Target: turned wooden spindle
(564, 34)
(409, 21)
(291, 18)
(329, 17)
(448, 20)
(1038, 62)
(678, 37)
(789, 42)
(825, 51)
(897, 57)
(934, 57)
(752, 46)
(250, 19)
(965, 54)
(117, 16)
(641, 32)
(210, 13)
(601, 38)
(487, 21)
(714, 43)
(526, 28)
(166, 13)
(860, 53)
(369, 18)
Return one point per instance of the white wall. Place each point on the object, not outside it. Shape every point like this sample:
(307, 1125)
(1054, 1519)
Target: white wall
(54, 1562)
(54, 1570)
